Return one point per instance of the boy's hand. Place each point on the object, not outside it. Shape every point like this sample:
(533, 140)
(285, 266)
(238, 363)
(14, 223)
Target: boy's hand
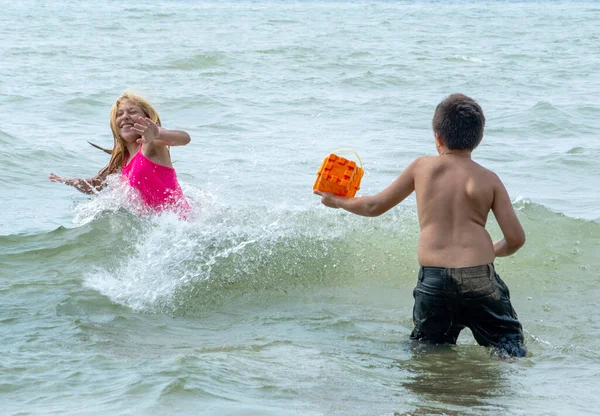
(147, 129)
(328, 199)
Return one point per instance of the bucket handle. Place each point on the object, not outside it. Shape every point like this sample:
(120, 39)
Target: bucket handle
(352, 151)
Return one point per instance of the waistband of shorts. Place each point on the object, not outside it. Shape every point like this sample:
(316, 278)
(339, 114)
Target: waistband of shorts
(464, 272)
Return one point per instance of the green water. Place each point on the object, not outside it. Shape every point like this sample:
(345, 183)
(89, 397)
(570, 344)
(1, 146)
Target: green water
(266, 303)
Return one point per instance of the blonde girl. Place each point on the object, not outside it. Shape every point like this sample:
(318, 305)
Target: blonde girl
(140, 153)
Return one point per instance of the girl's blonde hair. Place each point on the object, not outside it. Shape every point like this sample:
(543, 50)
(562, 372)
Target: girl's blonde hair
(119, 153)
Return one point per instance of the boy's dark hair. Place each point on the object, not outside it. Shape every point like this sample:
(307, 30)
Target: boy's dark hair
(459, 120)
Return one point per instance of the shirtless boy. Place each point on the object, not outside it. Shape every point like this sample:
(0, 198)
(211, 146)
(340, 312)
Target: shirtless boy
(457, 286)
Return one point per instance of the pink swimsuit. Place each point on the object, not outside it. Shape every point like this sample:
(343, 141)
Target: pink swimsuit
(157, 184)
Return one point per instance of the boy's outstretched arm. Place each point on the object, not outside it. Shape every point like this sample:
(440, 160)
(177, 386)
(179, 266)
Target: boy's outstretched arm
(373, 206)
(514, 236)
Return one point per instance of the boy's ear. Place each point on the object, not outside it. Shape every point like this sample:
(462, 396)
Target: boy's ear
(439, 142)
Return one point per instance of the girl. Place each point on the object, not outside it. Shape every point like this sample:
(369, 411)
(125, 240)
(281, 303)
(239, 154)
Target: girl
(142, 155)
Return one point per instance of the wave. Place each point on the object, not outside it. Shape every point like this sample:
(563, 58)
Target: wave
(83, 101)
(5, 138)
(163, 265)
(463, 58)
(183, 267)
(292, 51)
(195, 62)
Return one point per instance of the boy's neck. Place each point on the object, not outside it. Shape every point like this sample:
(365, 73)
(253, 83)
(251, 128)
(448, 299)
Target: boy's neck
(459, 153)
(440, 145)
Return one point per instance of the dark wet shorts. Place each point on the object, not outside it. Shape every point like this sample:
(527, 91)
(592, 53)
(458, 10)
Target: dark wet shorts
(448, 300)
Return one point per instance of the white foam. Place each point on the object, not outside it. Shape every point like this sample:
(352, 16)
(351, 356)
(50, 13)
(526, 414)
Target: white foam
(166, 253)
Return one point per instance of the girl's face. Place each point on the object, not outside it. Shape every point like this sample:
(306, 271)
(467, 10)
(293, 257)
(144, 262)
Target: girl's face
(128, 113)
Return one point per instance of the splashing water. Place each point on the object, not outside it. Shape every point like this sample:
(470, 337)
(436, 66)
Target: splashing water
(166, 264)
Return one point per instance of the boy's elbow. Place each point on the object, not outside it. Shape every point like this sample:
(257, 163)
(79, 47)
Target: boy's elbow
(375, 213)
(522, 240)
(374, 210)
(517, 241)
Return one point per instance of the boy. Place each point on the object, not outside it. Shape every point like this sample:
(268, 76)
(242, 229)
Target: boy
(458, 286)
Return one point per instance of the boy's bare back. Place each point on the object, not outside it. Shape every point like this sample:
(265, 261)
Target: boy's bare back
(454, 197)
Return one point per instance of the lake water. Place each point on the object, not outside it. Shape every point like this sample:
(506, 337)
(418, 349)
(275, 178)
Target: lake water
(267, 303)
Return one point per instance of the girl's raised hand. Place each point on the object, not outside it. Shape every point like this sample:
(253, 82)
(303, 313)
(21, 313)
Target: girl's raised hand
(147, 129)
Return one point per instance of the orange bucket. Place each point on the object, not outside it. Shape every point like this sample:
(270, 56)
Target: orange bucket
(339, 175)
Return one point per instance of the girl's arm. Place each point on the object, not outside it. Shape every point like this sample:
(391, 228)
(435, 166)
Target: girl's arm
(152, 133)
(156, 140)
(168, 137)
(87, 186)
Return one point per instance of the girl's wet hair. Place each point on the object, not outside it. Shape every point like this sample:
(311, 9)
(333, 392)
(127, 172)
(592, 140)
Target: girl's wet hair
(459, 120)
(119, 153)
